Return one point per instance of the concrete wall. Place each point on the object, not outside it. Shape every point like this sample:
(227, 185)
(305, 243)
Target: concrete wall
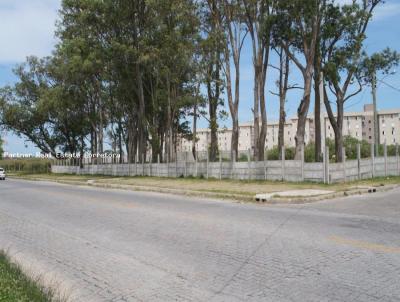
(289, 170)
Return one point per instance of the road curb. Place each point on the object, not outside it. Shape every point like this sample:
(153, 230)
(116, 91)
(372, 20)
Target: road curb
(233, 197)
(310, 199)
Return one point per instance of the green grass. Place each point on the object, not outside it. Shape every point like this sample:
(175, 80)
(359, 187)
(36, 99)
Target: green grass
(245, 188)
(15, 286)
(26, 166)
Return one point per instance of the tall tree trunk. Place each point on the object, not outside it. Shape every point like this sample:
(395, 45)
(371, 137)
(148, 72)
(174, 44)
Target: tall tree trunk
(283, 87)
(302, 112)
(233, 103)
(317, 114)
(213, 100)
(194, 140)
(339, 134)
(82, 151)
(256, 113)
(141, 115)
(120, 134)
(132, 140)
(337, 123)
(264, 59)
(255, 13)
(168, 134)
(213, 127)
(233, 29)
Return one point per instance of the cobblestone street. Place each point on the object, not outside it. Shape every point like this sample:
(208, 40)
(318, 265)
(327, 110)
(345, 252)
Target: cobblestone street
(114, 245)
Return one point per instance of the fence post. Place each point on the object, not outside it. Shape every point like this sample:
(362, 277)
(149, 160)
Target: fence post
(372, 160)
(265, 164)
(397, 159)
(344, 163)
(195, 163)
(176, 165)
(143, 162)
(249, 162)
(186, 156)
(220, 165)
(136, 164)
(208, 160)
(158, 165)
(151, 163)
(283, 162)
(359, 161)
(385, 155)
(233, 160)
(167, 165)
(327, 172)
(302, 163)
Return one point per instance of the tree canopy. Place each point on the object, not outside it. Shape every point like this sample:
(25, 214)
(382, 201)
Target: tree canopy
(139, 74)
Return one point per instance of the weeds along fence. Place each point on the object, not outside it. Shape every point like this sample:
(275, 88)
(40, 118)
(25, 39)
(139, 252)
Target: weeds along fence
(365, 166)
(26, 166)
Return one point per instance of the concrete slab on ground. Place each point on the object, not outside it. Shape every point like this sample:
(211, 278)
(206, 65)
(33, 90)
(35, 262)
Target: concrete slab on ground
(292, 193)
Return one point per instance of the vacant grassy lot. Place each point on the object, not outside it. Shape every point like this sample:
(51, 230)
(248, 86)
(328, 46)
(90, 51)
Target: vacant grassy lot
(237, 187)
(16, 287)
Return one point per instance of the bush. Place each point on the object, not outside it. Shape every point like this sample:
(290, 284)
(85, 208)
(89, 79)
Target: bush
(243, 157)
(309, 153)
(26, 166)
(274, 153)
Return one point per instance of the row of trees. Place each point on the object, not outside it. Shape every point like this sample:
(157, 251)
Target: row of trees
(139, 73)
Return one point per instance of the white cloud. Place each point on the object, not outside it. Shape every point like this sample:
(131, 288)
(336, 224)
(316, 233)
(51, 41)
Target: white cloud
(387, 10)
(27, 28)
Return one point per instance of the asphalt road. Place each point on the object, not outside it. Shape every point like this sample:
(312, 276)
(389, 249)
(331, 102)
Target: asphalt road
(111, 245)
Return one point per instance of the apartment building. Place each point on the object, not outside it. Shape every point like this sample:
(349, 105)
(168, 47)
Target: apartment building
(359, 125)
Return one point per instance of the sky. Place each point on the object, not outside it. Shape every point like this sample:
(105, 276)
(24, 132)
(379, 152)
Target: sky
(27, 28)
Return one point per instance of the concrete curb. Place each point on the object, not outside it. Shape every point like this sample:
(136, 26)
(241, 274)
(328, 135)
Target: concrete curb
(233, 197)
(310, 199)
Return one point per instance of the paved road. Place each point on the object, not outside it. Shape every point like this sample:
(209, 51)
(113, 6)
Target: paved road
(112, 245)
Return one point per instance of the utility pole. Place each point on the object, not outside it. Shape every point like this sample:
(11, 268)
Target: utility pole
(376, 124)
(322, 113)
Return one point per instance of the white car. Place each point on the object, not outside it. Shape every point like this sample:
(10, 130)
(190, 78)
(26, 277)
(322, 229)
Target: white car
(2, 174)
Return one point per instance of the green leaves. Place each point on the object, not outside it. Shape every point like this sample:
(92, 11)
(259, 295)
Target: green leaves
(380, 62)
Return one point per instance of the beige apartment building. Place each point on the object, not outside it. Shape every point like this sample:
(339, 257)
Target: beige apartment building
(359, 125)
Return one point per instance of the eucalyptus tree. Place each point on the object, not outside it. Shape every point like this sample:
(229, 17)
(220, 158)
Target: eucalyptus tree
(176, 44)
(80, 46)
(296, 31)
(45, 107)
(283, 86)
(258, 19)
(379, 63)
(235, 32)
(23, 109)
(343, 34)
(212, 50)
